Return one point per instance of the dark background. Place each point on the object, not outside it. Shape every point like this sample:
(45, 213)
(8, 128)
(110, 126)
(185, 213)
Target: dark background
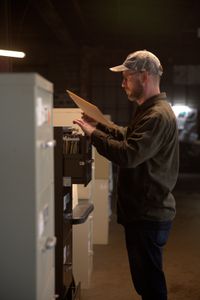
(72, 43)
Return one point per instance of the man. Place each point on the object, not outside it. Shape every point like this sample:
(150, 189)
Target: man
(147, 155)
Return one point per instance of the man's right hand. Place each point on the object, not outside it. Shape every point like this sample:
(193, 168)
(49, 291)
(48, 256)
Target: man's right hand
(89, 120)
(88, 128)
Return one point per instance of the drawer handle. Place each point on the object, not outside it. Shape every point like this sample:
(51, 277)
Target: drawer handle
(49, 144)
(50, 243)
(88, 161)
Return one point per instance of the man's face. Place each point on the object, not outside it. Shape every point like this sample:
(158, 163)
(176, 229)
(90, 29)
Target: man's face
(132, 85)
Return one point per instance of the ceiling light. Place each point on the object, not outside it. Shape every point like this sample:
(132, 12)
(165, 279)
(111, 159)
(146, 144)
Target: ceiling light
(10, 53)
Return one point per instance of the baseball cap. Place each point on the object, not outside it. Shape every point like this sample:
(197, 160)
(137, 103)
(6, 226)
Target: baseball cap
(140, 61)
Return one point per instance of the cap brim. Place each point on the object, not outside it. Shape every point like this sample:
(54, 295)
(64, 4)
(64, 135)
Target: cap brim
(119, 68)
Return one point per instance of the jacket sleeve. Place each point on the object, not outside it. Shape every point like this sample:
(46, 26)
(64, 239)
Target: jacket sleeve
(141, 144)
(115, 131)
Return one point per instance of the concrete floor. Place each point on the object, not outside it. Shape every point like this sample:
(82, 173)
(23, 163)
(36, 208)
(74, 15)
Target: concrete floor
(111, 278)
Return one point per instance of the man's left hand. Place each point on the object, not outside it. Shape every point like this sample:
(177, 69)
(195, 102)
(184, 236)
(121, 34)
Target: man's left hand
(86, 127)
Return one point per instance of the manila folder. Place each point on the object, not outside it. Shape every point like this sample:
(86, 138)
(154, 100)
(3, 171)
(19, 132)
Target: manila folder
(89, 109)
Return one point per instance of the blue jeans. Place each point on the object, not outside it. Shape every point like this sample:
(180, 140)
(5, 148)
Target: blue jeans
(144, 242)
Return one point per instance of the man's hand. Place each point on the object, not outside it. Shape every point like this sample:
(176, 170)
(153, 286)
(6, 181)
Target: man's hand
(89, 120)
(86, 127)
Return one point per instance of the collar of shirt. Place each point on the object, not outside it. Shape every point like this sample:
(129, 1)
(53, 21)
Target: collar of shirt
(150, 101)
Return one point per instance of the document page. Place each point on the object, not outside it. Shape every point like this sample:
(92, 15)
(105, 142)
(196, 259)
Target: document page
(89, 109)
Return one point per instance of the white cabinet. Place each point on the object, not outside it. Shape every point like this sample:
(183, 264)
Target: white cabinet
(101, 212)
(101, 198)
(27, 188)
(83, 240)
(83, 252)
(64, 117)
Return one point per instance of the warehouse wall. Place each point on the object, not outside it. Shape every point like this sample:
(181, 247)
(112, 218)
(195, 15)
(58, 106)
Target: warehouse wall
(86, 72)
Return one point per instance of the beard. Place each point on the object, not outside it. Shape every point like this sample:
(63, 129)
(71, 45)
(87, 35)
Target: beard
(137, 93)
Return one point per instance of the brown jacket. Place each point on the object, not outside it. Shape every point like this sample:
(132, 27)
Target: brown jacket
(148, 158)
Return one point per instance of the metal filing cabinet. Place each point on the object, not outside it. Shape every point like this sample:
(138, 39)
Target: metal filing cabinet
(73, 164)
(27, 188)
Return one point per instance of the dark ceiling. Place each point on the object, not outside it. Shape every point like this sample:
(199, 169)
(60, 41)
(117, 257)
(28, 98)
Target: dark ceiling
(108, 23)
(68, 41)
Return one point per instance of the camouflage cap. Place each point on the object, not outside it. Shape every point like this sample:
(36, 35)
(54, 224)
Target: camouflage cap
(140, 61)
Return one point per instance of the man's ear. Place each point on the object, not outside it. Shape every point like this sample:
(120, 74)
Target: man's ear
(144, 77)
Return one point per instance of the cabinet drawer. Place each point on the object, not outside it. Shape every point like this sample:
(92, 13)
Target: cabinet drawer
(78, 168)
(44, 167)
(48, 290)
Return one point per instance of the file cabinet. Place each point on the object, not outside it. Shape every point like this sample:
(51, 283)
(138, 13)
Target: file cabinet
(68, 148)
(27, 188)
(64, 282)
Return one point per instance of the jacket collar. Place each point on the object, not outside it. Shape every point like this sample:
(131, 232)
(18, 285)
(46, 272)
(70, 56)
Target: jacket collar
(151, 101)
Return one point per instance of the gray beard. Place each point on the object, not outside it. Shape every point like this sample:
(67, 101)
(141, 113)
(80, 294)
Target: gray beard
(137, 94)
(133, 99)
